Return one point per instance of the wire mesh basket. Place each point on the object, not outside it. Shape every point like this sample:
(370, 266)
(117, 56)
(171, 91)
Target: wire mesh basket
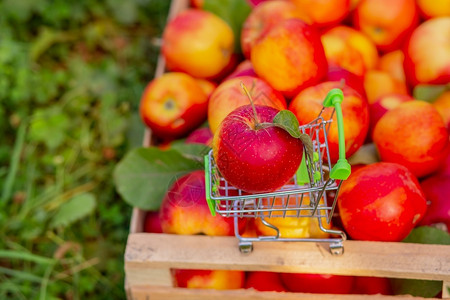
(306, 195)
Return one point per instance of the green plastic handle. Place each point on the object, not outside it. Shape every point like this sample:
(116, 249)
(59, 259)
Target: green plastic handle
(342, 168)
(211, 202)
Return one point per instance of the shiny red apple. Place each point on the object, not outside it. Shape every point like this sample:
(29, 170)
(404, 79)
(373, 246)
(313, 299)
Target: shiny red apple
(252, 154)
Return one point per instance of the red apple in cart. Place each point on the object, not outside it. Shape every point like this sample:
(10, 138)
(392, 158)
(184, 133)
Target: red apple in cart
(184, 209)
(252, 154)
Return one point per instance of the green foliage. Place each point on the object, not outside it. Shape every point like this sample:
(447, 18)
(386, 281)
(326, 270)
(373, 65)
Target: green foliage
(71, 76)
(234, 12)
(160, 167)
(422, 288)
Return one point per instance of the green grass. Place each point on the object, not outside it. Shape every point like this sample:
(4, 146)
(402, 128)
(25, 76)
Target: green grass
(71, 76)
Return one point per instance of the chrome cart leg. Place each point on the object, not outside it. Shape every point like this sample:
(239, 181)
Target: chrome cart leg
(245, 247)
(337, 248)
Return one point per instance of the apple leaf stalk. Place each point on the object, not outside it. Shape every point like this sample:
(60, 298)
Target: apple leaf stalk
(286, 120)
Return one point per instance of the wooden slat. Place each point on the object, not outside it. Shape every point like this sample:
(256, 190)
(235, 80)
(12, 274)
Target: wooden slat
(383, 259)
(170, 293)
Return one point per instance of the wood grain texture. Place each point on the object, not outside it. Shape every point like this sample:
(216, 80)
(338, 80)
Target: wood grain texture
(146, 251)
(164, 293)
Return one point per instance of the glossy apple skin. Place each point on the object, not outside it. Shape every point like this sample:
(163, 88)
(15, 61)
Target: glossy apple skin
(437, 193)
(184, 209)
(244, 68)
(255, 160)
(201, 135)
(365, 285)
(209, 279)
(264, 281)
(381, 202)
(213, 48)
(433, 9)
(326, 12)
(412, 134)
(382, 105)
(264, 16)
(378, 83)
(308, 103)
(317, 283)
(427, 53)
(386, 22)
(392, 63)
(290, 57)
(442, 104)
(229, 95)
(152, 222)
(172, 105)
(350, 49)
(352, 80)
(288, 222)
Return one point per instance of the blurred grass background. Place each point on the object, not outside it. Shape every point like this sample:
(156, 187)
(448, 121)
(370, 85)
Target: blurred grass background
(71, 76)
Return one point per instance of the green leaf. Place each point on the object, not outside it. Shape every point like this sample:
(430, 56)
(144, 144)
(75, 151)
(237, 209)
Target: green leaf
(234, 12)
(192, 151)
(288, 121)
(76, 208)
(429, 92)
(144, 175)
(422, 288)
(428, 235)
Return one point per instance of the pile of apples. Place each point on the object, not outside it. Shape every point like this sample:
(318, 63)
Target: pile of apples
(380, 53)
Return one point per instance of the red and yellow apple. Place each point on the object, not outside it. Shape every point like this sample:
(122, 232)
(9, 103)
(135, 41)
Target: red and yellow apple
(308, 104)
(386, 22)
(173, 104)
(252, 154)
(264, 281)
(317, 283)
(380, 83)
(412, 134)
(433, 9)
(290, 57)
(392, 63)
(184, 209)
(381, 202)
(208, 279)
(380, 106)
(197, 42)
(442, 104)
(291, 223)
(325, 12)
(350, 49)
(244, 68)
(229, 95)
(348, 78)
(263, 17)
(427, 53)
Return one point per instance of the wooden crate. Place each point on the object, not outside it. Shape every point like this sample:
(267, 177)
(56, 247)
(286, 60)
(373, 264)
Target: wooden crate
(149, 257)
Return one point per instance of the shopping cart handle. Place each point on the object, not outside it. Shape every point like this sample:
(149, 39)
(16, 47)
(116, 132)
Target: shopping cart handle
(342, 168)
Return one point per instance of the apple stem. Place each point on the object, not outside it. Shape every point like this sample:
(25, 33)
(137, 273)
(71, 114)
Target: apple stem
(257, 125)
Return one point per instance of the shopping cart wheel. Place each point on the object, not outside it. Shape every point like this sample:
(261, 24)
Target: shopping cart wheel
(246, 247)
(337, 249)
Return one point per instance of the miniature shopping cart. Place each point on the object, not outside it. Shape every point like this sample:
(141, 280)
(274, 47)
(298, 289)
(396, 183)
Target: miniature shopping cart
(306, 195)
